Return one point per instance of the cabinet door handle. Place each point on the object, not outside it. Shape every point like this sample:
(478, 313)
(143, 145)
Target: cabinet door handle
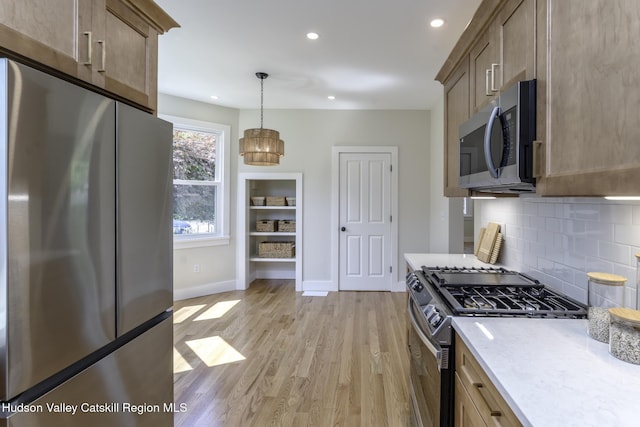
(479, 386)
(103, 64)
(89, 43)
(487, 87)
(493, 77)
(493, 412)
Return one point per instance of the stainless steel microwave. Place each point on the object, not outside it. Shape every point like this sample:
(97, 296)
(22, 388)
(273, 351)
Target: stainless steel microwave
(496, 144)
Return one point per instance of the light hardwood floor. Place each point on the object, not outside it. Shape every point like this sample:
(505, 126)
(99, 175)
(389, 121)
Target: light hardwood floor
(269, 356)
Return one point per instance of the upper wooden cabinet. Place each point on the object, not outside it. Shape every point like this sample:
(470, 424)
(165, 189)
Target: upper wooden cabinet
(583, 56)
(111, 44)
(456, 111)
(516, 29)
(484, 67)
(501, 51)
(496, 50)
(589, 94)
(48, 32)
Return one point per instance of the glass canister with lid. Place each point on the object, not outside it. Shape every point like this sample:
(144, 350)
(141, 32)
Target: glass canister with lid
(624, 336)
(606, 291)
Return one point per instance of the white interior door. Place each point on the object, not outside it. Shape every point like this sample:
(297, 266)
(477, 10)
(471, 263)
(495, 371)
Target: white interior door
(365, 222)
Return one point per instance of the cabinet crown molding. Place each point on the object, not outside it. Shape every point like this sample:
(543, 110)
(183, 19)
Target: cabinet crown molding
(153, 14)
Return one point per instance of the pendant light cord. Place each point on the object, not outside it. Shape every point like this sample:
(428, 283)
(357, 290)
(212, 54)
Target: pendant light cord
(261, 76)
(261, 101)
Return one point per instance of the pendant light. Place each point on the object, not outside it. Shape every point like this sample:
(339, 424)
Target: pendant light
(261, 147)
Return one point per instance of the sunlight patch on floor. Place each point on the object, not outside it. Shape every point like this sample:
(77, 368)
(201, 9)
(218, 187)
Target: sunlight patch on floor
(214, 351)
(179, 363)
(218, 310)
(185, 312)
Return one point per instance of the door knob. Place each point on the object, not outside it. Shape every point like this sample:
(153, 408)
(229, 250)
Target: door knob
(343, 229)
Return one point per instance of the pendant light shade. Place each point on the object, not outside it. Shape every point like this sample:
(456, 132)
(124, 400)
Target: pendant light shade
(261, 147)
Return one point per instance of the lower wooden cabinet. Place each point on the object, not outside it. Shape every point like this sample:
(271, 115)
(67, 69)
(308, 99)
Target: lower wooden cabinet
(466, 413)
(478, 402)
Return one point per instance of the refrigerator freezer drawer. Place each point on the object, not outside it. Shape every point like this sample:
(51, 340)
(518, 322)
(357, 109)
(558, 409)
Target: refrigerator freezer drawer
(145, 195)
(139, 373)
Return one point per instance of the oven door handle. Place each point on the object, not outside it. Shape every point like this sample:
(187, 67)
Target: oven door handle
(437, 353)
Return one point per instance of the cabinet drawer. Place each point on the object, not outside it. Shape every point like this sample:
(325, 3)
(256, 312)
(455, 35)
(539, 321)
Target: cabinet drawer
(493, 409)
(467, 414)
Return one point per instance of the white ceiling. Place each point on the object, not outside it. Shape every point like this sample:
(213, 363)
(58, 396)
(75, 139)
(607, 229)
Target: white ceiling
(371, 54)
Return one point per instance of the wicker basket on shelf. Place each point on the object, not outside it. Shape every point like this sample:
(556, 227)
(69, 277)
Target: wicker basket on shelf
(265, 225)
(277, 249)
(275, 201)
(285, 225)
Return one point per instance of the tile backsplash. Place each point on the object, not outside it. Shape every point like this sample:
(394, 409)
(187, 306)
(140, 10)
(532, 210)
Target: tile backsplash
(559, 240)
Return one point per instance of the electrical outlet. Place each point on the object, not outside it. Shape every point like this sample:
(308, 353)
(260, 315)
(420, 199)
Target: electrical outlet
(196, 268)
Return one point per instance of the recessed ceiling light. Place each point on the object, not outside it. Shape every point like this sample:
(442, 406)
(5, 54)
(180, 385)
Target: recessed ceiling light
(437, 23)
(331, 97)
(214, 97)
(312, 36)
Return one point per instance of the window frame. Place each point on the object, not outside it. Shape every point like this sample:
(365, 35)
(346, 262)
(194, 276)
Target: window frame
(222, 183)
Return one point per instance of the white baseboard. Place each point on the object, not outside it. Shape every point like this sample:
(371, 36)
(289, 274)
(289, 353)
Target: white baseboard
(230, 285)
(202, 290)
(275, 274)
(400, 286)
(319, 285)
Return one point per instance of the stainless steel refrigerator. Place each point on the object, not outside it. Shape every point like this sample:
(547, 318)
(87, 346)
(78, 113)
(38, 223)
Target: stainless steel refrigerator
(85, 257)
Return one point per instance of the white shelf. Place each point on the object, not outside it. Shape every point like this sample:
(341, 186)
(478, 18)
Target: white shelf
(272, 233)
(273, 207)
(258, 259)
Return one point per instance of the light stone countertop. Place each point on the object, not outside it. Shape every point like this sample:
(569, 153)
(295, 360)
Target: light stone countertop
(552, 373)
(548, 370)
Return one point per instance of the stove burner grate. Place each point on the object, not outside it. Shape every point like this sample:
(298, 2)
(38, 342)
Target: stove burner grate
(499, 292)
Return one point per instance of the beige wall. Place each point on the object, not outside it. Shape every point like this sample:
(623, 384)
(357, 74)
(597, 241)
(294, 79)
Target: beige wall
(217, 263)
(309, 136)
(446, 225)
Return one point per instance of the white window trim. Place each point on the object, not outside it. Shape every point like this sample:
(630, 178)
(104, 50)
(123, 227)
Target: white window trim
(224, 171)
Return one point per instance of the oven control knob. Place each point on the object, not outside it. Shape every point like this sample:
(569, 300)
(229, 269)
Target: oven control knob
(433, 316)
(435, 320)
(429, 310)
(417, 287)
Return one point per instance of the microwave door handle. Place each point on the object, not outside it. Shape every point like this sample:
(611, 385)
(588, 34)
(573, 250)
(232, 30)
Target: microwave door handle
(487, 143)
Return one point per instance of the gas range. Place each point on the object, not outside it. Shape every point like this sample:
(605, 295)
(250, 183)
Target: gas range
(436, 295)
(444, 292)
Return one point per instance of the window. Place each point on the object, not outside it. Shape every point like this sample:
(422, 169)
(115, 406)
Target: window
(200, 183)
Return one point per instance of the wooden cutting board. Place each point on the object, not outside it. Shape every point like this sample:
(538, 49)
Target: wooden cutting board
(488, 241)
(496, 249)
